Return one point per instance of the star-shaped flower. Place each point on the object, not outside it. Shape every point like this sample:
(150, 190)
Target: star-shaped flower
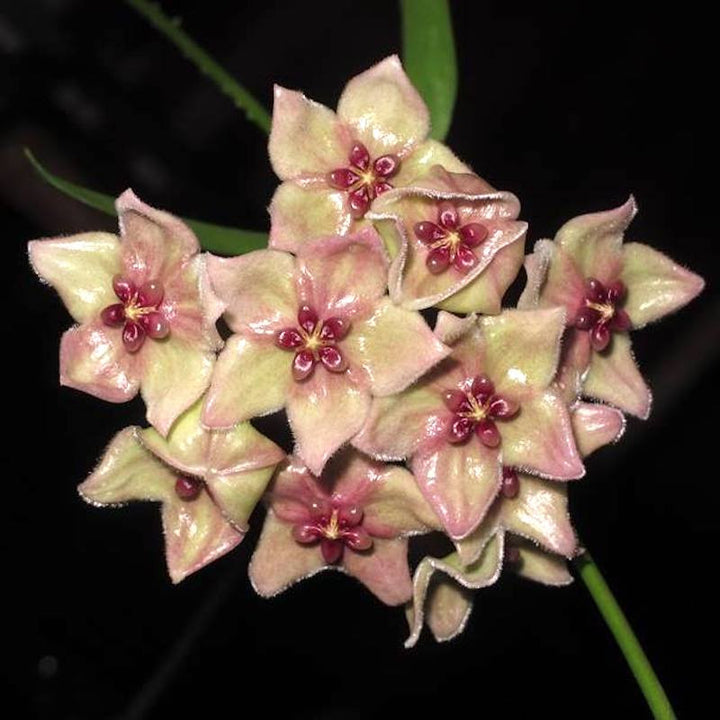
(315, 334)
(208, 484)
(607, 289)
(355, 518)
(334, 166)
(454, 239)
(490, 404)
(145, 312)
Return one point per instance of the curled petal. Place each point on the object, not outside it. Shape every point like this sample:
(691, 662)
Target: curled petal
(540, 566)
(596, 425)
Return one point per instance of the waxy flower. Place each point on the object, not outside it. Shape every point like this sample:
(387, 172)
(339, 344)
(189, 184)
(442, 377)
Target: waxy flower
(354, 518)
(208, 484)
(145, 312)
(317, 335)
(454, 239)
(490, 404)
(334, 166)
(528, 527)
(607, 289)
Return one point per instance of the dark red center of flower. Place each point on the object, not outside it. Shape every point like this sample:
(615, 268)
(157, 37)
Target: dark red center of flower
(510, 483)
(335, 527)
(601, 314)
(364, 179)
(449, 242)
(476, 408)
(314, 341)
(188, 488)
(137, 312)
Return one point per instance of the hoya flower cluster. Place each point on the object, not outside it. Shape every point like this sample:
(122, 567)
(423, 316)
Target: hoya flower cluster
(471, 428)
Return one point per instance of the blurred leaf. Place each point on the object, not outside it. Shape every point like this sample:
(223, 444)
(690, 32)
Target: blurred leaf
(429, 58)
(214, 238)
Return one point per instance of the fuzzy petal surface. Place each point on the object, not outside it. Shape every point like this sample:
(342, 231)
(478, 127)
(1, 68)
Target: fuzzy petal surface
(595, 426)
(540, 566)
(383, 570)
(424, 156)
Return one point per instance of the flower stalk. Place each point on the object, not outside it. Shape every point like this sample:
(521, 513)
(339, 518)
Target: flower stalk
(634, 655)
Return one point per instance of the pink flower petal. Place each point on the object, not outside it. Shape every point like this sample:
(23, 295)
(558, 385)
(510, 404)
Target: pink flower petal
(237, 494)
(306, 138)
(423, 157)
(614, 378)
(537, 565)
(94, 360)
(81, 269)
(656, 286)
(294, 490)
(596, 425)
(384, 110)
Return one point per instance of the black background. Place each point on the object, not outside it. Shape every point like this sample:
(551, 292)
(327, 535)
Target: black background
(571, 109)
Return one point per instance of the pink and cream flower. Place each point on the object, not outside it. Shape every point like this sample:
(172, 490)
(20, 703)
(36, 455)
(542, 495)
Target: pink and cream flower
(455, 242)
(208, 484)
(335, 165)
(490, 404)
(145, 312)
(354, 518)
(607, 288)
(317, 335)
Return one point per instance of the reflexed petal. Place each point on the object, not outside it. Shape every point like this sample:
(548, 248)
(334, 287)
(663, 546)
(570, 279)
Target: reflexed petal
(93, 359)
(306, 137)
(251, 378)
(81, 269)
(196, 533)
(596, 425)
(299, 214)
(385, 111)
(564, 285)
(383, 570)
(395, 346)
(126, 472)
(425, 156)
(237, 494)
(294, 490)
(614, 378)
(656, 285)
(460, 482)
(540, 513)
(324, 412)
(448, 609)
(536, 269)
(539, 439)
(536, 564)
(258, 289)
(279, 560)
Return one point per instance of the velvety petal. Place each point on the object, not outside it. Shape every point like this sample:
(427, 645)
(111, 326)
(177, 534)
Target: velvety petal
(615, 378)
(397, 425)
(155, 243)
(237, 494)
(523, 348)
(258, 289)
(428, 154)
(460, 482)
(449, 328)
(383, 570)
(94, 360)
(384, 110)
(293, 491)
(470, 548)
(540, 566)
(540, 513)
(575, 354)
(306, 137)
(448, 609)
(299, 214)
(196, 533)
(251, 378)
(395, 347)
(539, 439)
(536, 269)
(596, 425)
(126, 472)
(656, 285)
(81, 269)
(594, 241)
(343, 276)
(324, 412)
(279, 561)
(564, 284)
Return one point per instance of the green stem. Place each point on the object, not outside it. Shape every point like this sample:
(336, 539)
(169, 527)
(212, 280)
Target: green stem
(625, 637)
(171, 29)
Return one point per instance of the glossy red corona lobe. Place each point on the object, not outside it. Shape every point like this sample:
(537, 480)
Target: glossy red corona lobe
(335, 526)
(364, 179)
(475, 409)
(188, 488)
(138, 312)
(449, 242)
(510, 483)
(314, 341)
(601, 314)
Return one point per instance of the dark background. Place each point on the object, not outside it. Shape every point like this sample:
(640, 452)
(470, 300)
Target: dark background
(570, 109)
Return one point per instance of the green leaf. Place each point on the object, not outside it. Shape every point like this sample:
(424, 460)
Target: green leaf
(214, 238)
(429, 58)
